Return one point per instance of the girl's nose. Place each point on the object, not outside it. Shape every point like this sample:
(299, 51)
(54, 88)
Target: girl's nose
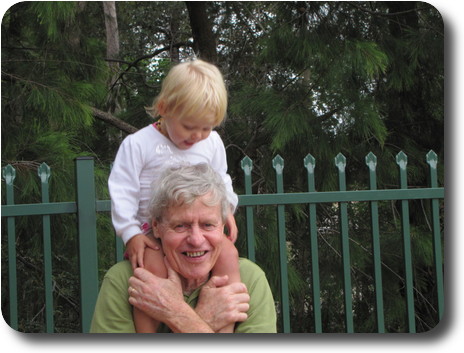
(196, 136)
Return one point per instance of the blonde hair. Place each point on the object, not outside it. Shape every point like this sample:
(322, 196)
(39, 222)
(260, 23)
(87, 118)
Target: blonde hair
(192, 88)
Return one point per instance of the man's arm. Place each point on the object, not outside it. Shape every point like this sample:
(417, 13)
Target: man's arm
(187, 321)
(162, 299)
(254, 311)
(221, 304)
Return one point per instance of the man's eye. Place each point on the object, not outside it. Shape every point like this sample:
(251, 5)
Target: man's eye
(209, 226)
(180, 228)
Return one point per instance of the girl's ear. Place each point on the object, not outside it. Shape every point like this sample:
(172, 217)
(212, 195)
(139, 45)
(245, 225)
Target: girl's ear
(161, 107)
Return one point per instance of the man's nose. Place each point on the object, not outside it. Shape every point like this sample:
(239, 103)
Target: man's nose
(195, 237)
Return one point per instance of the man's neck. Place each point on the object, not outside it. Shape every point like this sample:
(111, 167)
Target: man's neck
(189, 285)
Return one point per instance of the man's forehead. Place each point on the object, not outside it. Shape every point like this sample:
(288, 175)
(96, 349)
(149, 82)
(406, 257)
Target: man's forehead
(194, 211)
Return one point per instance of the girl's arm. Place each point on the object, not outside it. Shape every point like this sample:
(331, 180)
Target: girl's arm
(124, 188)
(154, 262)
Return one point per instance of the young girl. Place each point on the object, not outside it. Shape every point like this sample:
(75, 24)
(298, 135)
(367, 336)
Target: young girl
(192, 102)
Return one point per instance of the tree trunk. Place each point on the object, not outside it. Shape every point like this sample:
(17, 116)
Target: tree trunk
(112, 52)
(204, 41)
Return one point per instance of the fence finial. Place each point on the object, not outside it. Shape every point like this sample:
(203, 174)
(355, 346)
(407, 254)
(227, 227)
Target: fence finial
(340, 162)
(402, 160)
(371, 161)
(247, 165)
(432, 159)
(44, 172)
(278, 164)
(9, 174)
(310, 163)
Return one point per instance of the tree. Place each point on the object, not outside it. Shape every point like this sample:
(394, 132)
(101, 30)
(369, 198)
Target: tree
(204, 42)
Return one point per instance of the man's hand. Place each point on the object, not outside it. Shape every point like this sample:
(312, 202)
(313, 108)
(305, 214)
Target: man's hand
(221, 304)
(162, 299)
(157, 297)
(135, 249)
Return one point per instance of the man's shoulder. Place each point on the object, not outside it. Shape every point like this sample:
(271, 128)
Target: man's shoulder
(249, 271)
(121, 270)
(247, 264)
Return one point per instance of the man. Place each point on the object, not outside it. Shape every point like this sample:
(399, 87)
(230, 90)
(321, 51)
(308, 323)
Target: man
(189, 208)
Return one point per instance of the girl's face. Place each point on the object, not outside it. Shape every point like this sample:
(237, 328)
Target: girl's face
(186, 132)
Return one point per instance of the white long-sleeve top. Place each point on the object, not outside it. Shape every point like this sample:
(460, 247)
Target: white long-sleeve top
(140, 160)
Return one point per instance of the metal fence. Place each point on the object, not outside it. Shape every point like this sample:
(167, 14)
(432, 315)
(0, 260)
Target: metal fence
(87, 206)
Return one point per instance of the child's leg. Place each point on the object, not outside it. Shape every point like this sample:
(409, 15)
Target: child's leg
(227, 264)
(154, 262)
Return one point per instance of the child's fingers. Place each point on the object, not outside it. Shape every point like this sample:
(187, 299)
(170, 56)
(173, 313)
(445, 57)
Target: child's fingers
(151, 243)
(140, 257)
(217, 281)
(133, 261)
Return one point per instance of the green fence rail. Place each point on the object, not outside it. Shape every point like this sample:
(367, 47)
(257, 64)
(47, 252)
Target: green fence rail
(87, 206)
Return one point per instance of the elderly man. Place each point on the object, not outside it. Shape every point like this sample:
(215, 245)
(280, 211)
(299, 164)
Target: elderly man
(188, 210)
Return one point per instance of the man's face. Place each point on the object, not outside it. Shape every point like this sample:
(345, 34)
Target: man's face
(192, 237)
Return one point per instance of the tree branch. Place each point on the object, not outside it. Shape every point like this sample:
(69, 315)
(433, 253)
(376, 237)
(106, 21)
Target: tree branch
(112, 120)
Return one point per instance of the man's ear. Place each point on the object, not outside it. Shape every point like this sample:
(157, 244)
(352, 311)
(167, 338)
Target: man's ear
(155, 228)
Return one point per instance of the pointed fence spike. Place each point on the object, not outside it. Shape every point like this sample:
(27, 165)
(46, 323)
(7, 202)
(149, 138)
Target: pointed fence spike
(340, 162)
(371, 161)
(278, 164)
(9, 174)
(247, 165)
(310, 163)
(44, 172)
(432, 159)
(402, 160)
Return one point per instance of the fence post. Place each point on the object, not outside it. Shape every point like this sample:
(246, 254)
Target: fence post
(9, 174)
(87, 226)
(278, 164)
(371, 162)
(247, 167)
(310, 164)
(340, 163)
(44, 174)
(432, 160)
(402, 161)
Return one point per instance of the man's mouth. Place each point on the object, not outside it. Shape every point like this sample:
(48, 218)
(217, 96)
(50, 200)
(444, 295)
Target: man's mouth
(194, 253)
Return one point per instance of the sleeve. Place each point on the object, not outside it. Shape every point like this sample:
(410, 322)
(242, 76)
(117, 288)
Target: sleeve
(113, 313)
(219, 163)
(124, 188)
(262, 316)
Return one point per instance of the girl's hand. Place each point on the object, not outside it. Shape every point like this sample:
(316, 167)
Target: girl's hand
(135, 249)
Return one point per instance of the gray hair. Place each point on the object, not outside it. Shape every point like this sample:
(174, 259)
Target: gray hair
(183, 185)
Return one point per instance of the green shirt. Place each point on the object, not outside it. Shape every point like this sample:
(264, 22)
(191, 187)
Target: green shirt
(113, 313)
